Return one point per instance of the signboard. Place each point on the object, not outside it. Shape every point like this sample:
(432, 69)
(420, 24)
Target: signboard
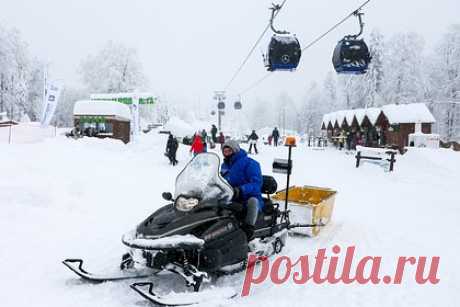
(126, 98)
(92, 119)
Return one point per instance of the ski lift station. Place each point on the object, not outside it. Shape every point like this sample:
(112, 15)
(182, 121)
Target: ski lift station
(104, 119)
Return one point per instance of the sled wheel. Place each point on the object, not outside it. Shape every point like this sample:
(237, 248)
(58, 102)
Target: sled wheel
(278, 245)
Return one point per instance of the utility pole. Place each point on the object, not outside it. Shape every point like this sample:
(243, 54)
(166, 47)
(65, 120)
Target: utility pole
(14, 95)
(1, 92)
(220, 97)
(284, 120)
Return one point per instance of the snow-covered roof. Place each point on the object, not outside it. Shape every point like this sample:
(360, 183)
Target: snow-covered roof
(325, 121)
(331, 118)
(349, 115)
(101, 107)
(373, 114)
(408, 113)
(340, 116)
(359, 114)
(396, 114)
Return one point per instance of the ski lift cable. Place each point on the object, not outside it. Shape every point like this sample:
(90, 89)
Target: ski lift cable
(255, 84)
(253, 48)
(310, 44)
(354, 13)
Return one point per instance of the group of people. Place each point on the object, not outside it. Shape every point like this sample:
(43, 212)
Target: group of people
(350, 139)
(199, 143)
(89, 131)
(274, 137)
(253, 137)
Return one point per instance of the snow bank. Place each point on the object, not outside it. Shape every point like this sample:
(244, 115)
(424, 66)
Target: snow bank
(178, 127)
(26, 133)
(75, 198)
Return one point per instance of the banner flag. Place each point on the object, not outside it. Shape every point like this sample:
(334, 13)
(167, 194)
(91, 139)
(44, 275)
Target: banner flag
(52, 93)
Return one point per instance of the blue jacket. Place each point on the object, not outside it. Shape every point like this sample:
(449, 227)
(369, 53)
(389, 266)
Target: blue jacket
(244, 173)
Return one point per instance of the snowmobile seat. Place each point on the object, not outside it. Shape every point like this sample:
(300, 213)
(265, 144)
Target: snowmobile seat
(268, 206)
(269, 185)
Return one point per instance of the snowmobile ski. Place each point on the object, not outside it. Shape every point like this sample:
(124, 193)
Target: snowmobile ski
(76, 266)
(145, 289)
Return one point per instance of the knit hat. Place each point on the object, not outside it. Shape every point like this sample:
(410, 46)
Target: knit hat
(233, 145)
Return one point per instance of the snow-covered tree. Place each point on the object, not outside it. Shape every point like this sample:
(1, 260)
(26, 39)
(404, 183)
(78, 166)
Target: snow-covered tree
(35, 90)
(115, 68)
(286, 111)
(375, 75)
(14, 73)
(445, 81)
(352, 92)
(312, 110)
(403, 68)
(261, 114)
(161, 112)
(64, 109)
(330, 92)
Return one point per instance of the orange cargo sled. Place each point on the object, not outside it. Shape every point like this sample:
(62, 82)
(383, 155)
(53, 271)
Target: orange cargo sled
(308, 205)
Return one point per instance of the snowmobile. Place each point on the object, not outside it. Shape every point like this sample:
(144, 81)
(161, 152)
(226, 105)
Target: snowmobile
(198, 234)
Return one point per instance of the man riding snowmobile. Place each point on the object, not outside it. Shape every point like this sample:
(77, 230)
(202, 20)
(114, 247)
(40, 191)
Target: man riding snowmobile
(205, 229)
(245, 176)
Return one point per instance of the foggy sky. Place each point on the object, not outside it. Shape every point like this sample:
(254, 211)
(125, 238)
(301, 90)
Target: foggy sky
(191, 48)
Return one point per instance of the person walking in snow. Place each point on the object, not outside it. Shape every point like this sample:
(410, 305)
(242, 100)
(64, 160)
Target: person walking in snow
(275, 135)
(221, 139)
(253, 142)
(197, 145)
(214, 133)
(171, 149)
(204, 138)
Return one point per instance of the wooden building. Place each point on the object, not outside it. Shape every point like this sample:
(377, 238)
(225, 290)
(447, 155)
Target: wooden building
(389, 125)
(103, 119)
(398, 121)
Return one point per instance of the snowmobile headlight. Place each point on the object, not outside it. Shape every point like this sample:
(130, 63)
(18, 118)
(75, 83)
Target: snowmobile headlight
(186, 204)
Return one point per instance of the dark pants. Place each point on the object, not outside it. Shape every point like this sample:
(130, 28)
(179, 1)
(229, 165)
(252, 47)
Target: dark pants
(255, 148)
(252, 211)
(246, 213)
(172, 157)
(275, 142)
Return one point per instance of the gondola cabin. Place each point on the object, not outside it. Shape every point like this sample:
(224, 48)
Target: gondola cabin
(238, 105)
(283, 53)
(351, 56)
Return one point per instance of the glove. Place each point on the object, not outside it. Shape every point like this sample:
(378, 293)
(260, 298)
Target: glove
(236, 193)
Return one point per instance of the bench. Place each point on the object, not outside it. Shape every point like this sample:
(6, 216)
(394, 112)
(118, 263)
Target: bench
(370, 153)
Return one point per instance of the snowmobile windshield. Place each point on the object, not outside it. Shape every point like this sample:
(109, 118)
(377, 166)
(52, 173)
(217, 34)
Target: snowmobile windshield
(201, 179)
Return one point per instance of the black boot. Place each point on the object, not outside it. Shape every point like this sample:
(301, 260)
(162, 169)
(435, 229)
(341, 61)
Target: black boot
(249, 230)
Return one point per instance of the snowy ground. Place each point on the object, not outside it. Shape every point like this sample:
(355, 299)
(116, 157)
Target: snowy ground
(62, 198)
